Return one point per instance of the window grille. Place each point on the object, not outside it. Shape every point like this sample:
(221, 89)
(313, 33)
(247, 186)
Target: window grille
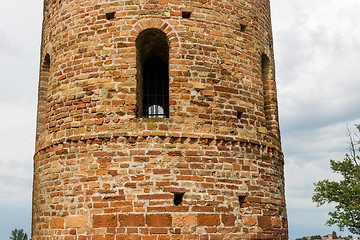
(155, 88)
(152, 63)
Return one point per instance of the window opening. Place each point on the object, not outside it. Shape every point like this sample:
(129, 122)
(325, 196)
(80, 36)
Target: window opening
(110, 15)
(239, 114)
(152, 58)
(156, 90)
(242, 27)
(178, 198)
(241, 201)
(264, 65)
(156, 111)
(47, 61)
(186, 14)
(265, 72)
(42, 95)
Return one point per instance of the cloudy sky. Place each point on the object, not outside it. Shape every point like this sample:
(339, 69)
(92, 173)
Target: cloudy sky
(317, 56)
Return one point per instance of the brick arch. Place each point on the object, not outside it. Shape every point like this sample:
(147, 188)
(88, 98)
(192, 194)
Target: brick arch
(164, 26)
(174, 43)
(47, 50)
(42, 92)
(269, 91)
(265, 50)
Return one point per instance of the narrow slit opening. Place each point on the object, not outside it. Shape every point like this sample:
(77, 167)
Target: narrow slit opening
(242, 27)
(110, 15)
(178, 198)
(186, 14)
(265, 75)
(241, 201)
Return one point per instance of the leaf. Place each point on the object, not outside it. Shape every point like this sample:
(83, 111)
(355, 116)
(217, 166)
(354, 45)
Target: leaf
(344, 193)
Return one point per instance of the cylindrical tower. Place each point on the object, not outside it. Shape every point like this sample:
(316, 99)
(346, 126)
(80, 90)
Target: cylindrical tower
(157, 119)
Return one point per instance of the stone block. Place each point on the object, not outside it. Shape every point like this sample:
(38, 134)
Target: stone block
(249, 221)
(131, 220)
(264, 221)
(208, 220)
(184, 220)
(57, 223)
(104, 221)
(159, 220)
(77, 221)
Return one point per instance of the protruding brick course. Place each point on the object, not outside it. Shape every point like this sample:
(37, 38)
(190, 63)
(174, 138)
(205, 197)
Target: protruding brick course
(104, 171)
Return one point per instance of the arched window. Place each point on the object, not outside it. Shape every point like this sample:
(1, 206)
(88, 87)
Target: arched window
(152, 56)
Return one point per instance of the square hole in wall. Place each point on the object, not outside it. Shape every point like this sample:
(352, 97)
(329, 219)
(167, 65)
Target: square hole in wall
(110, 15)
(178, 198)
(242, 27)
(241, 200)
(186, 14)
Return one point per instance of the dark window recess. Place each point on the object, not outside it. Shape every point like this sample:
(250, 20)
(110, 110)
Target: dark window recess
(239, 114)
(110, 15)
(242, 27)
(241, 200)
(178, 198)
(47, 61)
(152, 60)
(155, 88)
(186, 14)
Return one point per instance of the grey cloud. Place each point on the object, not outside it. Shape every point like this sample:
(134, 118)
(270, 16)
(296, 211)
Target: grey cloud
(316, 61)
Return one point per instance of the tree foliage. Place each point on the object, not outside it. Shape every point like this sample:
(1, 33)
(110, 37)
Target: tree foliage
(18, 235)
(334, 235)
(344, 193)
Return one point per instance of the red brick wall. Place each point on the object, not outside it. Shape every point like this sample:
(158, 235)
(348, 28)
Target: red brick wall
(100, 172)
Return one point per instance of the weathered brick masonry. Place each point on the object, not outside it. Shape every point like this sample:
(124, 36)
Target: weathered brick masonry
(211, 169)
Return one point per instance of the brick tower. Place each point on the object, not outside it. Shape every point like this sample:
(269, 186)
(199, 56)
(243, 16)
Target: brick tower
(157, 120)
